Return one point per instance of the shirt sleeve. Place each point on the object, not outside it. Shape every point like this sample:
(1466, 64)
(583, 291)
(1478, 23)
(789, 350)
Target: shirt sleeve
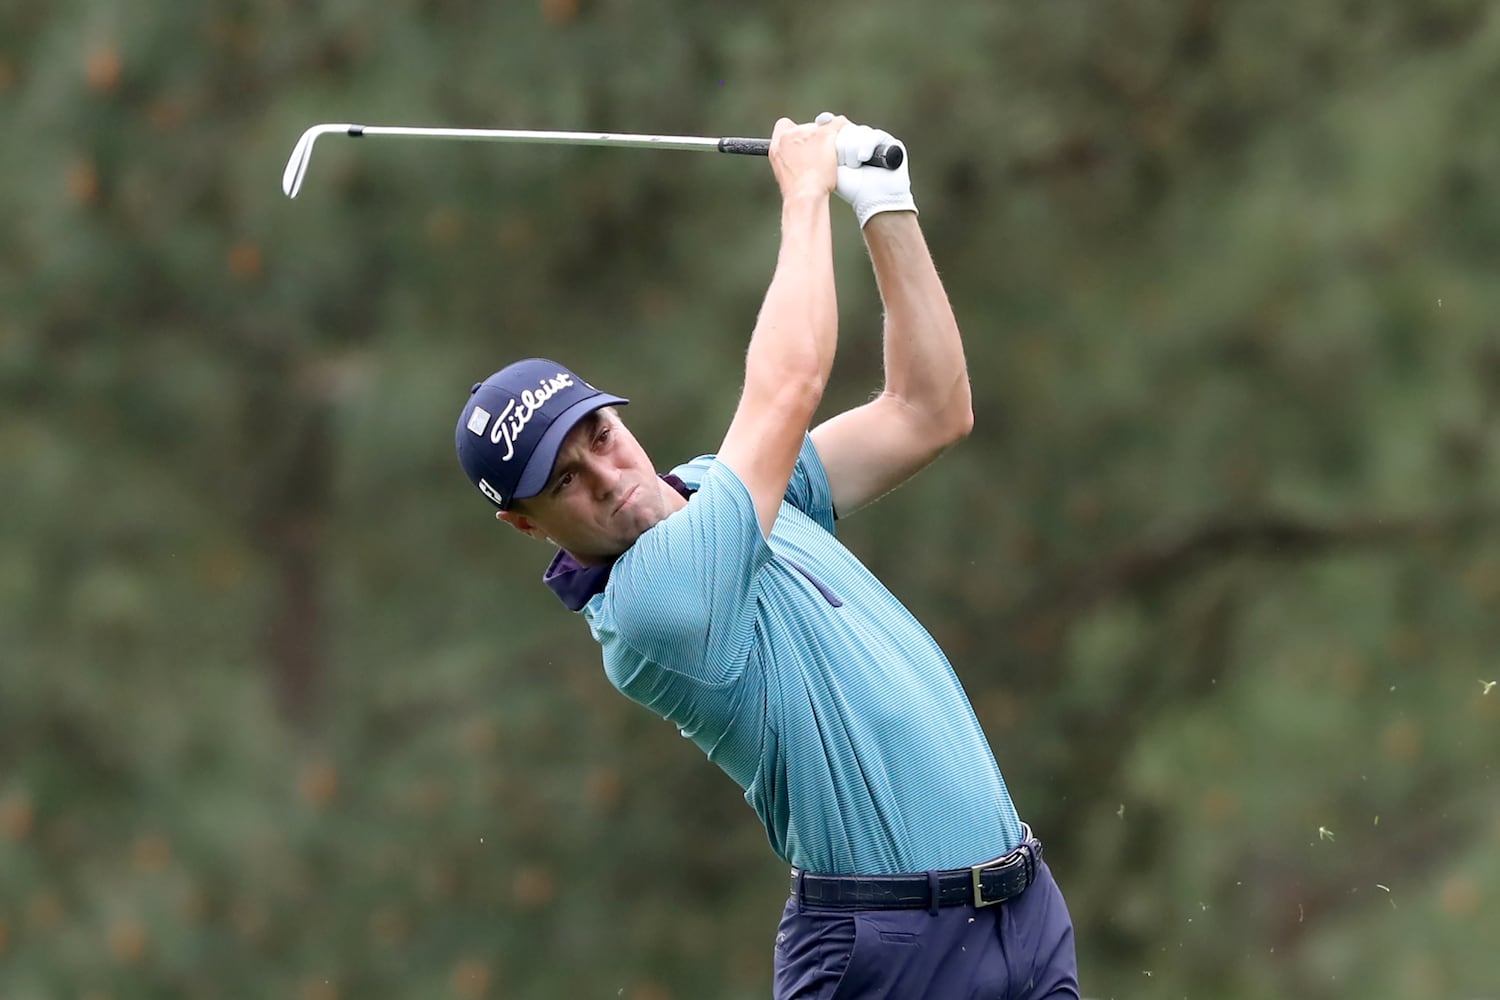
(808, 489)
(683, 597)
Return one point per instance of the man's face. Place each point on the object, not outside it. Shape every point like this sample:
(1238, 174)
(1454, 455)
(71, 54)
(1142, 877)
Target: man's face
(603, 493)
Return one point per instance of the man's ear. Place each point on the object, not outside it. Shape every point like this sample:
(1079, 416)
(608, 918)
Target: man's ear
(521, 523)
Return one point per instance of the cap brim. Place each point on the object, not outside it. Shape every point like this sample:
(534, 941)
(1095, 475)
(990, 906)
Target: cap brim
(539, 466)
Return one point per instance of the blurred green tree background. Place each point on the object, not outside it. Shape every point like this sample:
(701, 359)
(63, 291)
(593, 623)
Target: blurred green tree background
(284, 713)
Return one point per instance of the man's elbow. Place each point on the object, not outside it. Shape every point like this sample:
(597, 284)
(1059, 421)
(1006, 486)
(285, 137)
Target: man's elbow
(956, 425)
(958, 415)
(795, 394)
(940, 428)
(963, 422)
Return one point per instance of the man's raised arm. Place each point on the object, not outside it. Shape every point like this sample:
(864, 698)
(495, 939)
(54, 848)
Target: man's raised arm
(791, 350)
(924, 406)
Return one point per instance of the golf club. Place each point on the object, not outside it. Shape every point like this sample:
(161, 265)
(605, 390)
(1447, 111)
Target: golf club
(889, 156)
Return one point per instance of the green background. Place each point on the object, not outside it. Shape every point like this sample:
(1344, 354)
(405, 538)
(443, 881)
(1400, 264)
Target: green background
(284, 713)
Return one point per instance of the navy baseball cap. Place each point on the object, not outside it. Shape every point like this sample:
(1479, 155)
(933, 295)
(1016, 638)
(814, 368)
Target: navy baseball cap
(514, 422)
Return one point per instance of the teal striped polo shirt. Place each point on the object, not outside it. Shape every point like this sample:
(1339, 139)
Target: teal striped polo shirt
(801, 676)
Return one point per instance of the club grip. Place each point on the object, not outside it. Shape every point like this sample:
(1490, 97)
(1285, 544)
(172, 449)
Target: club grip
(887, 156)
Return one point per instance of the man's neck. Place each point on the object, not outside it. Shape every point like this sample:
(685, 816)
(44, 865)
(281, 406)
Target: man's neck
(574, 583)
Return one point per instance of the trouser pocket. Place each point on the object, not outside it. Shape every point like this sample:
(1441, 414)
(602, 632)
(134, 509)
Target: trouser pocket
(814, 949)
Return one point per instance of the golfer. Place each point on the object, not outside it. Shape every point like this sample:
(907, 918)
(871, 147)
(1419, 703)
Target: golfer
(723, 602)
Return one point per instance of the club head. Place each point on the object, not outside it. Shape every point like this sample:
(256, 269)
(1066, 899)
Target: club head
(296, 167)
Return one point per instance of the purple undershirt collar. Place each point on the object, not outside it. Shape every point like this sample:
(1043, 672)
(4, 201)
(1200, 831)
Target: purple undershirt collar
(575, 584)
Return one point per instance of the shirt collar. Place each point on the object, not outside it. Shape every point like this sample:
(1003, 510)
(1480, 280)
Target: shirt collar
(575, 584)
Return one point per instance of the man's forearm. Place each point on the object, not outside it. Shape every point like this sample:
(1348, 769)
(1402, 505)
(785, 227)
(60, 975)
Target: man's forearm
(796, 333)
(924, 354)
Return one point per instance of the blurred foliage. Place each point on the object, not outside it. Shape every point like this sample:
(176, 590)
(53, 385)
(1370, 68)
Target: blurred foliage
(284, 714)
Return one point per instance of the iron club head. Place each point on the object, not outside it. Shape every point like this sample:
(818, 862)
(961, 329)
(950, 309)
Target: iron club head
(296, 166)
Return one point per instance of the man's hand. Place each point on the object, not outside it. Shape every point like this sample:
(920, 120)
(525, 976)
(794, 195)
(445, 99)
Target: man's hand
(804, 158)
(869, 189)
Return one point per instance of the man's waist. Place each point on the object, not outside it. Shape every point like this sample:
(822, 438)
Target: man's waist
(983, 884)
(840, 828)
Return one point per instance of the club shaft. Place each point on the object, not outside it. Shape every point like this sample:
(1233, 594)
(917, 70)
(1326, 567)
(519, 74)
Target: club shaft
(557, 138)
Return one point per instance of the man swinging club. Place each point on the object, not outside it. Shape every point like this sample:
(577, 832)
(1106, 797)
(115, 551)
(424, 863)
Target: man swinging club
(724, 603)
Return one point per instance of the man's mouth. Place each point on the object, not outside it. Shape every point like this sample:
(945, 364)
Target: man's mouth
(624, 500)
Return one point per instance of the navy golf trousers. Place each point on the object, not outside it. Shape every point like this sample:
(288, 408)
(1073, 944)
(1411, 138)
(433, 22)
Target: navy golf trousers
(1021, 949)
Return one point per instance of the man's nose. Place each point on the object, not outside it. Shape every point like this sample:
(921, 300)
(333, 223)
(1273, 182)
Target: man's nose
(606, 478)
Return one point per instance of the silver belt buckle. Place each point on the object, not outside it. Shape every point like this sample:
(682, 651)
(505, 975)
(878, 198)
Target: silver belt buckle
(978, 870)
(979, 900)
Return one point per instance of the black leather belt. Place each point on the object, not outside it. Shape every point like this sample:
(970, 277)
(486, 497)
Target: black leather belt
(982, 885)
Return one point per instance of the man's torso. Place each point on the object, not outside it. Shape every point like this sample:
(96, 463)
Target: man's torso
(805, 680)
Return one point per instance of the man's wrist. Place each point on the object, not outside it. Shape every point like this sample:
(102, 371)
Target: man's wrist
(812, 198)
(890, 221)
(869, 211)
(803, 206)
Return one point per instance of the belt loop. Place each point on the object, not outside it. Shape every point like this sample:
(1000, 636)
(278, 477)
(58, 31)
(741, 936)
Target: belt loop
(1033, 857)
(932, 893)
(801, 890)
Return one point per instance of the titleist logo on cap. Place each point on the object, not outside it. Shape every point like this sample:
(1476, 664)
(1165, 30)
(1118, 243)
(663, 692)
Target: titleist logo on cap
(512, 420)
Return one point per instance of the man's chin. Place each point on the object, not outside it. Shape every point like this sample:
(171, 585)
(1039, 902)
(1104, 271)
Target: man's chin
(633, 535)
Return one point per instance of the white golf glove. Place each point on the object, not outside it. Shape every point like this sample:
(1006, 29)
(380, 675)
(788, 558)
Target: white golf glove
(870, 189)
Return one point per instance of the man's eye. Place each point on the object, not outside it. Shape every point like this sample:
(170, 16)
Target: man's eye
(563, 482)
(603, 437)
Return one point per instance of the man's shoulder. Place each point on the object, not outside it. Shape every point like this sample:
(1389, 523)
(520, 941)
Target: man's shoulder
(694, 471)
